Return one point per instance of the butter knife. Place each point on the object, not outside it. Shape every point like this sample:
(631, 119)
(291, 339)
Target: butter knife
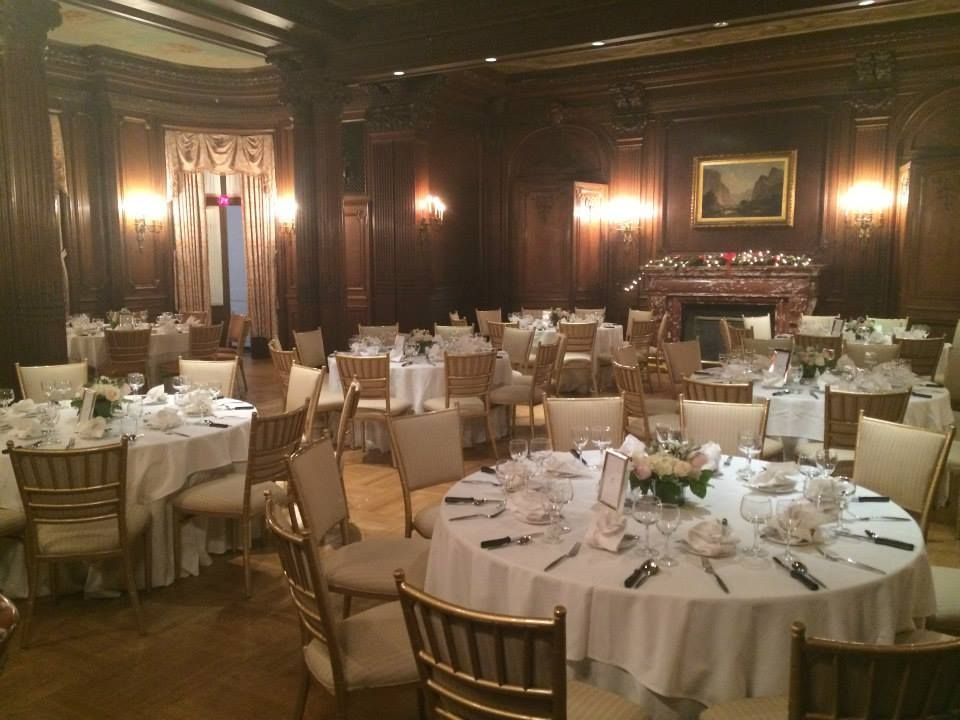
(70, 443)
(876, 539)
(508, 540)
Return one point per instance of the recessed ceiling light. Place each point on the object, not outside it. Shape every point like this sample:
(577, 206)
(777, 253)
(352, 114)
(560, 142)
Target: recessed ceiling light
(865, 3)
(490, 59)
(721, 24)
(598, 43)
(398, 73)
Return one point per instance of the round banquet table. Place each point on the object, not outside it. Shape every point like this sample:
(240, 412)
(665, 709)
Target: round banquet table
(164, 347)
(678, 641)
(159, 464)
(419, 381)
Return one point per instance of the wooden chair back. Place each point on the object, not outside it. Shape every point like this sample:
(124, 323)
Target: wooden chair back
(565, 414)
(544, 365)
(32, 378)
(627, 354)
(449, 332)
(222, 373)
(273, 439)
(484, 666)
(303, 388)
(717, 392)
(683, 359)
(282, 362)
(860, 681)
(733, 336)
(635, 316)
(204, 341)
(458, 321)
(842, 411)
(128, 350)
(318, 489)
(819, 343)
(9, 619)
(721, 422)
(629, 380)
(487, 316)
(581, 336)
(495, 330)
(309, 347)
(385, 333)
(923, 353)
(351, 398)
(517, 344)
(371, 371)
(238, 329)
(643, 336)
(469, 375)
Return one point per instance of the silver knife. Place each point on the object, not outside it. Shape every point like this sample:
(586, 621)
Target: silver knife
(569, 554)
(70, 443)
(891, 518)
(851, 561)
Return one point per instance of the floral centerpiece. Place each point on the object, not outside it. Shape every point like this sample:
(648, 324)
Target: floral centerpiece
(422, 339)
(669, 469)
(814, 361)
(109, 394)
(861, 327)
(558, 314)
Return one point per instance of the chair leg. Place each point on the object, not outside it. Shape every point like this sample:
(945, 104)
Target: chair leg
(493, 437)
(302, 692)
(347, 603)
(33, 586)
(52, 565)
(132, 590)
(177, 549)
(148, 556)
(243, 377)
(245, 529)
(530, 410)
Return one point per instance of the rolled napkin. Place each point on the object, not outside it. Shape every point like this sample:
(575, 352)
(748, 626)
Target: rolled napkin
(807, 531)
(775, 476)
(24, 406)
(165, 419)
(530, 506)
(198, 402)
(606, 530)
(92, 429)
(712, 538)
(566, 465)
(156, 394)
(632, 444)
(25, 428)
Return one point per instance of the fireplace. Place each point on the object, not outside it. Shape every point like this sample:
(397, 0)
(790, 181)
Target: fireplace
(702, 320)
(787, 292)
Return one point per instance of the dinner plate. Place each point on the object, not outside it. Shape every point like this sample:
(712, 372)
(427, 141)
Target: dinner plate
(531, 519)
(689, 549)
(774, 536)
(774, 489)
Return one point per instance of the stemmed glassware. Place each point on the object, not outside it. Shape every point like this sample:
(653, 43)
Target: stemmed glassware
(846, 488)
(49, 415)
(6, 399)
(136, 381)
(807, 465)
(667, 523)
(756, 510)
(180, 383)
(601, 436)
(826, 461)
(788, 515)
(748, 443)
(540, 450)
(518, 449)
(646, 511)
(580, 437)
(559, 493)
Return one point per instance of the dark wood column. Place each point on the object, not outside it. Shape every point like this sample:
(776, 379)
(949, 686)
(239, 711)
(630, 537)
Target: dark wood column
(31, 282)
(316, 102)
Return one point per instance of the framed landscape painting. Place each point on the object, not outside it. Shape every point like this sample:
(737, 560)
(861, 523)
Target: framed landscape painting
(744, 190)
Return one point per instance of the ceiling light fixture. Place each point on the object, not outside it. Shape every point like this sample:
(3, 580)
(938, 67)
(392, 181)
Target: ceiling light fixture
(721, 24)
(399, 73)
(598, 43)
(490, 59)
(866, 3)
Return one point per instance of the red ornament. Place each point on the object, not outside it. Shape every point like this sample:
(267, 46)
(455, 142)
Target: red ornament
(728, 257)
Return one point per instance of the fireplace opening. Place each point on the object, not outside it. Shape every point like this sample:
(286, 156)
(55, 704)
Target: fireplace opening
(702, 321)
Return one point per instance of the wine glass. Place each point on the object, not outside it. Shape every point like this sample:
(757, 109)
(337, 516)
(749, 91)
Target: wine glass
(807, 466)
(6, 399)
(668, 521)
(518, 449)
(540, 450)
(755, 509)
(580, 438)
(748, 443)
(646, 511)
(136, 381)
(826, 460)
(180, 383)
(788, 515)
(49, 415)
(600, 435)
(559, 493)
(846, 488)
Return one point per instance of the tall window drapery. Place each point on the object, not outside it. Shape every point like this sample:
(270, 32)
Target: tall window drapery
(191, 264)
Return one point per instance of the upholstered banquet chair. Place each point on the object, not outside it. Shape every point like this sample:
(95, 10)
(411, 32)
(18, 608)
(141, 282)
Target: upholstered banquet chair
(385, 333)
(481, 665)
(717, 392)
(819, 343)
(878, 353)
(635, 316)
(565, 414)
(923, 353)
(427, 450)
(683, 359)
(638, 410)
(282, 362)
(902, 462)
(485, 316)
(76, 508)
(238, 330)
(530, 389)
(353, 568)
(9, 620)
(364, 651)
(760, 324)
(239, 494)
(720, 422)
(859, 681)
(351, 399)
(495, 330)
(303, 388)
(449, 332)
(128, 350)
(469, 379)
(841, 419)
(580, 352)
(222, 373)
(310, 348)
(33, 378)
(373, 373)
(517, 344)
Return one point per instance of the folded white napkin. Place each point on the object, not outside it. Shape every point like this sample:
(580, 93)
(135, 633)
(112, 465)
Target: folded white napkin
(809, 528)
(25, 428)
(775, 475)
(198, 402)
(165, 419)
(529, 505)
(773, 380)
(632, 444)
(92, 429)
(156, 394)
(193, 320)
(566, 464)
(713, 453)
(24, 406)
(606, 530)
(435, 353)
(712, 538)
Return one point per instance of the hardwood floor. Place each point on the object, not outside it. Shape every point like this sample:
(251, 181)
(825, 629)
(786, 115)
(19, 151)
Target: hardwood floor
(210, 654)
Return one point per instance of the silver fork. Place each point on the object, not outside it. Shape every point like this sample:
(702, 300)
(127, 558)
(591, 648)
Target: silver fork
(493, 514)
(708, 568)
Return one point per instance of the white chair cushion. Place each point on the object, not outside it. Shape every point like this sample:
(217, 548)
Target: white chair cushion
(773, 448)
(520, 379)
(466, 406)
(946, 584)
(425, 519)
(586, 701)
(330, 401)
(92, 537)
(577, 358)
(376, 651)
(768, 708)
(953, 459)
(515, 394)
(224, 495)
(372, 405)
(368, 565)
(810, 447)
(660, 406)
(11, 522)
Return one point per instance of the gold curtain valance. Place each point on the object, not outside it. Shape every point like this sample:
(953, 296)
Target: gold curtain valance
(191, 152)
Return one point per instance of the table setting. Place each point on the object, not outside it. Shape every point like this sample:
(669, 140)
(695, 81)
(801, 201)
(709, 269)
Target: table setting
(655, 590)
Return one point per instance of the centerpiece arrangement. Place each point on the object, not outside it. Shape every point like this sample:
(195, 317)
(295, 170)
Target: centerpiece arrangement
(422, 339)
(669, 469)
(558, 314)
(861, 327)
(814, 361)
(109, 394)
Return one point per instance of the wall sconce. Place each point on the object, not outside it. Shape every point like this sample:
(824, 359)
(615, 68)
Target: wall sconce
(145, 211)
(285, 213)
(864, 205)
(432, 210)
(624, 213)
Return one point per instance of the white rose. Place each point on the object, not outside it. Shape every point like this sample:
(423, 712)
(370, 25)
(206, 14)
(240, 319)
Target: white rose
(111, 393)
(663, 465)
(682, 468)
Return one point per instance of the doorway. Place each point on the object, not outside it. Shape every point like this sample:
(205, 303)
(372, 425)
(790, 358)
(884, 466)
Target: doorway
(225, 247)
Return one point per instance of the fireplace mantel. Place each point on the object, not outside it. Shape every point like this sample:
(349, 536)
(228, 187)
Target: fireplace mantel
(791, 290)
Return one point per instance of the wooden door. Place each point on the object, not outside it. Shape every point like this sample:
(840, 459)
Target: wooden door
(356, 259)
(589, 234)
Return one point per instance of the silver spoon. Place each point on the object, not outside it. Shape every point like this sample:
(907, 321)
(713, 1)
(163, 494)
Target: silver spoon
(651, 569)
(800, 567)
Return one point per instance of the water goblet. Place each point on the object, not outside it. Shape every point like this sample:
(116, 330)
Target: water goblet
(580, 437)
(600, 435)
(518, 449)
(559, 493)
(846, 488)
(755, 509)
(826, 461)
(748, 443)
(136, 381)
(540, 450)
(180, 383)
(789, 516)
(807, 466)
(49, 415)
(668, 521)
(646, 511)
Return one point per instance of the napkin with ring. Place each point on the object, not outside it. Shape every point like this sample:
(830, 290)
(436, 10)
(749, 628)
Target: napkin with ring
(775, 476)
(165, 419)
(156, 394)
(92, 429)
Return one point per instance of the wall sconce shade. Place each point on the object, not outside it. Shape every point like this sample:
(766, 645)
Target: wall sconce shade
(431, 210)
(285, 213)
(865, 204)
(146, 212)
(625, 212)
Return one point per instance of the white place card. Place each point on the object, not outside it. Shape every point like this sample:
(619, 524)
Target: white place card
(780, 363)
(613, 480)
(836, 328)
(398, 343)
(86, 408)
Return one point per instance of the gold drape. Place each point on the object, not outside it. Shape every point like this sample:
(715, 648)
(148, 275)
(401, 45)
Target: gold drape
(190, 152)
(191, 263)
(260, 250)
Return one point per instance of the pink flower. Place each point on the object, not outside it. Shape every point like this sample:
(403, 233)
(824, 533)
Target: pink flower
(641, 467)
(699, 460)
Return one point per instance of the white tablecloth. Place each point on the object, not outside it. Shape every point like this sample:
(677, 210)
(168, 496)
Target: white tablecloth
(158, 466)
(164, 347)
(679, 635)
(417, 383)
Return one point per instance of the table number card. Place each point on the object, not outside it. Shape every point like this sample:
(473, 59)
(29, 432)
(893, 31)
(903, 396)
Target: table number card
(780, 363)
(613, 480)
(86, 407)
(836, 328)
(398, 343)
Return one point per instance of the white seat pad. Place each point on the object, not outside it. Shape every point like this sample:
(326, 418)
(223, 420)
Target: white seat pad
(516, 394)
(425, 519)
(369, 405)
(225, 495)
(11, 522)
(466, 405)
(577, 358)
(92, 537)
(368, 565)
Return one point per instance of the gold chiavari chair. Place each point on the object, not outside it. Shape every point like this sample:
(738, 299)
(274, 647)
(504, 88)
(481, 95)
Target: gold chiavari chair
(351, 399)
(865, 680)
(462, 657)
(721, 423)
(204, 343)
(128, 350)
(579, 353)
(733, 336)
(565, 414)
(33, 377)
(373, 373)
(469, 377)
(528, 390)
(644, 339)
(367, 650)
(638, 411)
(923, 353)
(239, 495)
(683, 359)
(282, 362)
(310, 348)
(517, 345)
(487, 316)
(717, 392)
(303, 389)
(495, 330)
(76, 508)
(222, 373)
(238, 330)
(635, 316)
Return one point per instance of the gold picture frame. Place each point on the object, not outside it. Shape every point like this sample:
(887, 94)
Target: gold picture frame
(746, 190)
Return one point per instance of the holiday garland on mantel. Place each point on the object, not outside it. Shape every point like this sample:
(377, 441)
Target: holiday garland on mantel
(747, 258)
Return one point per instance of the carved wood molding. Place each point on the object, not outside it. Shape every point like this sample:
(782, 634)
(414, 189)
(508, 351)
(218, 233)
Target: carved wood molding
(404, 105)
(875, 84)
(630, 114)
(25, 23)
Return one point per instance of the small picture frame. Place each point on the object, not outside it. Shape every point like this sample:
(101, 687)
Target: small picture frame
(613, 480)
(836, 327)
(86, 406)
(780, 363)
(398, 343)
